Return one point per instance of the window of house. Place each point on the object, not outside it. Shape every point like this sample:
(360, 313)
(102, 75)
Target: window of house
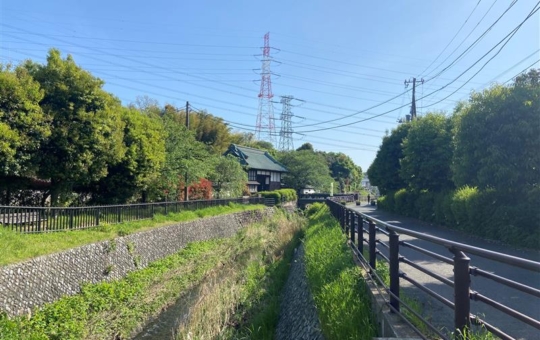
(252, 175)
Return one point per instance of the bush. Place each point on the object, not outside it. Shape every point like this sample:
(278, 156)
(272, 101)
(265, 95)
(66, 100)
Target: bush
(424, 206)
(386, 202)
(281, 195)
(272, 194)
(404, 202)
(464, 202)
(442, 210)
(288, 195)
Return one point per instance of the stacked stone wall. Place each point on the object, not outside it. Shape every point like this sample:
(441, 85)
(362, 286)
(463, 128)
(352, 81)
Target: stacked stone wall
(45, 279)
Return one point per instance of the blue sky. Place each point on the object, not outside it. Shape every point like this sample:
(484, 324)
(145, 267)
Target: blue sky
(340, 57)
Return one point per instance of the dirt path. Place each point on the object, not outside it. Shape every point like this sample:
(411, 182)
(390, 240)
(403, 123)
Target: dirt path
(442, 315)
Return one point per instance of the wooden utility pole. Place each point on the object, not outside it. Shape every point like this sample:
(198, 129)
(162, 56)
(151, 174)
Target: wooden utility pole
(186, 189)
(413, 104)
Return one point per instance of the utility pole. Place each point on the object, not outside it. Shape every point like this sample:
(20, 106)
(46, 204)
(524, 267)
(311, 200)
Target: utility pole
(186, 196)
(413, 104)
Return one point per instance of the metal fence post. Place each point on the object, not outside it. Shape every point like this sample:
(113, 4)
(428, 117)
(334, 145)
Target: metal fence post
(462, 284)
(347, 221)
(70, 218)
(372, 246)
(353, 227)
(361, 235)
(394, 269)
(97, 216)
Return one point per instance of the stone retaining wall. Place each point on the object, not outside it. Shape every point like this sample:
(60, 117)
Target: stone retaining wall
(44, 279)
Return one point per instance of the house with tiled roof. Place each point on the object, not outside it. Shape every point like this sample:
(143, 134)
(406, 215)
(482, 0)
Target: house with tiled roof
(264, 172)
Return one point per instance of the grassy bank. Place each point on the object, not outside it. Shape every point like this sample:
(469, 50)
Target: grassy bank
(244, 302)
(17, 247)
(335, 281)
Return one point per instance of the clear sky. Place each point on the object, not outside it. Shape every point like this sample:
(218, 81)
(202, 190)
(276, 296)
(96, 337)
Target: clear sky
(340, 57)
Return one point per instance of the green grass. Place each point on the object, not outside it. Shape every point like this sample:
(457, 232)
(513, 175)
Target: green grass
(17, 247)
(241, 279)
(336, 282)
(246, 304)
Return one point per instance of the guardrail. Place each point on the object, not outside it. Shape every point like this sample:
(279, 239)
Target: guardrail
(353, 224)
(50, 219)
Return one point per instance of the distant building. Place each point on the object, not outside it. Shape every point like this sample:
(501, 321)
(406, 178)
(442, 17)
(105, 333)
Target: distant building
(365, 183)
(264, 172)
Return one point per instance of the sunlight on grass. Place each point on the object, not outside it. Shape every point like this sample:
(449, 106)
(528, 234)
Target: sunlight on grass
(336, 282)
(17, 247)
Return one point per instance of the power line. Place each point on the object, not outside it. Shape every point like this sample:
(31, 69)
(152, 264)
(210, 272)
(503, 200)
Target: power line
(508, 37)
(464, 39)
(454, 37)
(474, 43)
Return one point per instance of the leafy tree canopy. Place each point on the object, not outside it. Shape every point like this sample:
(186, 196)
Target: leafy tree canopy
(228, 176)
(305, 168)
(497, 137)
(384, 171)
(86, 126)
(427, 153)
(23, 124)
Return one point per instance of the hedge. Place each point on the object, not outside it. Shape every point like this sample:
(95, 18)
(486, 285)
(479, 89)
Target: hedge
(487, 213)
(281, 195)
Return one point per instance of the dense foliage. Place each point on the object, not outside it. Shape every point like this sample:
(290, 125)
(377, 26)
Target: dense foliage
(65, 141)
(477, 170)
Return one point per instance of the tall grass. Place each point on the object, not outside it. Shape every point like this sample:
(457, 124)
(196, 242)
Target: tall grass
(335, 281)
(244, 301)
(239, 279)
(17, 247)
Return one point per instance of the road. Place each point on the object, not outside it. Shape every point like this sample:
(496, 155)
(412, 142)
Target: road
(441, 315)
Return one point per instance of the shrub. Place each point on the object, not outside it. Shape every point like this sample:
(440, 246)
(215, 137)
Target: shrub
(441, 208)
(387, 202)
(404, 202)
(463, 207)
(424, 206)
(288, 195)
(272, 194)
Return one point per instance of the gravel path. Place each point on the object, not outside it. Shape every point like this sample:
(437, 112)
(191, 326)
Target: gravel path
(298, 318)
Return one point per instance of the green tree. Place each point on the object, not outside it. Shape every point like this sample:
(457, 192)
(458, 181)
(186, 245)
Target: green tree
(384, 171)
(306, 146)
(228, 176)
(23, 124)
(497, 137)
(210, 130)
(144, 140)
(343, 169)
(86, 128)
(427, 154)
(305, 168)
(186, 161)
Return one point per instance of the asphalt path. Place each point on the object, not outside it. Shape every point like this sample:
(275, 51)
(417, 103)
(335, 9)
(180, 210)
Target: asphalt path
(443, 316)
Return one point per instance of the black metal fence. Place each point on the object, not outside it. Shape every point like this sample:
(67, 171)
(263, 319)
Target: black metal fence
(354, 224)
(49, 219)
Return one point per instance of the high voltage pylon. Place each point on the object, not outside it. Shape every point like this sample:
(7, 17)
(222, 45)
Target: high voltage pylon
(265, 126)
(286, 142)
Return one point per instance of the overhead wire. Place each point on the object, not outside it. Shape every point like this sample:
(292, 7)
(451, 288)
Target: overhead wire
(453, 38)
(507, 37)
(474, 43)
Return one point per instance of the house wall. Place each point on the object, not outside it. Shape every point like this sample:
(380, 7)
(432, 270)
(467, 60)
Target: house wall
(45, 279)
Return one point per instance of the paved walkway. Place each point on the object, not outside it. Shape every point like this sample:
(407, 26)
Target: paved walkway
(442, 315)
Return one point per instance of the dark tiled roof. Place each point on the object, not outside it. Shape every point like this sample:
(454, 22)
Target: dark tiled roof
(255, 158)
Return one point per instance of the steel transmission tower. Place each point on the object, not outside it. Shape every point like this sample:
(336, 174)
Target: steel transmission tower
(265, 127)
(285, 134)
